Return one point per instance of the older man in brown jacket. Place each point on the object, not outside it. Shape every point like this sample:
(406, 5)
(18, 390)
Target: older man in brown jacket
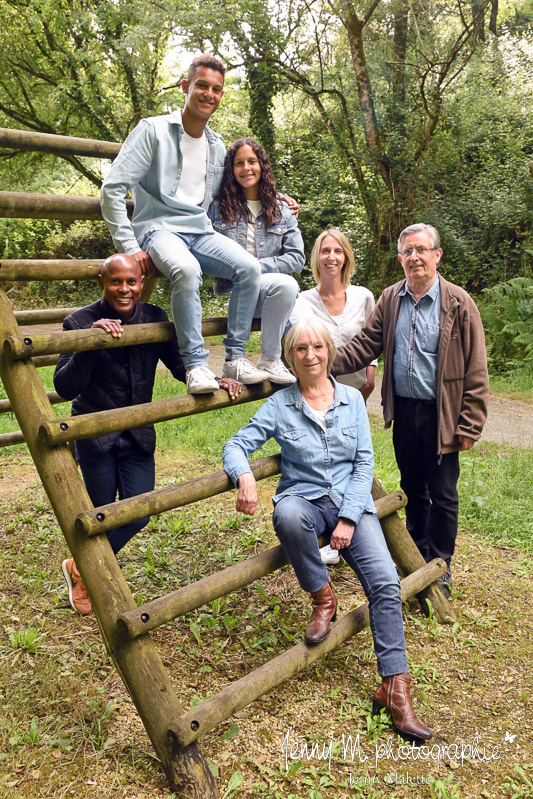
(435, 385)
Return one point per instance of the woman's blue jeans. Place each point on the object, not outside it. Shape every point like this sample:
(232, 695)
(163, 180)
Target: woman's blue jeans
(298, 522)
(277, 295)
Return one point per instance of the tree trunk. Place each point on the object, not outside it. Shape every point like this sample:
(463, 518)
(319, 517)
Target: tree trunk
(493, 17)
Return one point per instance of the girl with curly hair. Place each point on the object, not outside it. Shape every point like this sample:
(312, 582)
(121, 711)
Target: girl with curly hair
(249, 210)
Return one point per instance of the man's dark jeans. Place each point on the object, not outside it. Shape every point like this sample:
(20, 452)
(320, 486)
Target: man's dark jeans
(430, 485)
(125, 469)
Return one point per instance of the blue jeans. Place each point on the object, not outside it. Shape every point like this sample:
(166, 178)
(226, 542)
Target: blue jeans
(298, 522)
(277, 295)
(125, 469)
(182, 257)
(430, 482)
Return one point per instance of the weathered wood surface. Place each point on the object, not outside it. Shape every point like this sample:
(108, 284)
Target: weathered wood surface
(60, 145)
(43, 316)
(106, 517)
(57, 342)
(137, 660)
(408, 559)
(53, 396)
(23, 269)
(26, 205)
(73, 428)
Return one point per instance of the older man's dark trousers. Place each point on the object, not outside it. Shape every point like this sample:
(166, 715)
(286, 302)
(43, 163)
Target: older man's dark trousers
(430, 484)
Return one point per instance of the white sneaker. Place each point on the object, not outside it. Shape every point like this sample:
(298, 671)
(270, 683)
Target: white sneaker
(276, 370)
(329, 556)
(243, 370)
(201, 380)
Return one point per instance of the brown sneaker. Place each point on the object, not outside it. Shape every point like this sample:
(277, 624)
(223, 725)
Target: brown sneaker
(77, 593)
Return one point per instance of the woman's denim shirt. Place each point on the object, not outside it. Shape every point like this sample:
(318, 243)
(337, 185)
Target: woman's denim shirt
(338, 462)
(280, 248)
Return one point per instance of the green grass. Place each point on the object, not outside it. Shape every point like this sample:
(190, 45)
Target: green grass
(67, 723)
(516, 385)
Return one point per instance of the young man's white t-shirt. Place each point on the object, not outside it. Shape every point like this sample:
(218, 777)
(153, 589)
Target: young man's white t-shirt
(191, 188)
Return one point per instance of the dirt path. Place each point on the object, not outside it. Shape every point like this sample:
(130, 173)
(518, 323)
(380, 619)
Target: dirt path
(509, 421)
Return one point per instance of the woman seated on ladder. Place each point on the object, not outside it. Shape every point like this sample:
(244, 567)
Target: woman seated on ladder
(327, 467)
(249, 210)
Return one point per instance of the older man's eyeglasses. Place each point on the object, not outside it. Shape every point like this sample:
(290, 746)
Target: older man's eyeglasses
(419, 251)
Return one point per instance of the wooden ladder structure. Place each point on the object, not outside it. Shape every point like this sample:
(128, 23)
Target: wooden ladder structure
(125, 627)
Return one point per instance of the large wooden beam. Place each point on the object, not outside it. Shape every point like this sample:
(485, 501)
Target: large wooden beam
(73, 428)
(25, 205)
(24, 269)
(60, 145)
(53, 396)
(408, 559)
(29, 346)
(42, 316)
(138, 662)
(106, 517)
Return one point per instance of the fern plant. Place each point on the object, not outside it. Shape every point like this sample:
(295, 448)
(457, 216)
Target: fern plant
(508, 320)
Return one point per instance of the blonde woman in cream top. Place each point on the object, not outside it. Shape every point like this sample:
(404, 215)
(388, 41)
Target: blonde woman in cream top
(343, 308)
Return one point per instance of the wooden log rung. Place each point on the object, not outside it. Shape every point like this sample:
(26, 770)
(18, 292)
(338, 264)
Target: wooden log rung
(57, 269)
(59, 145)
(45, 360)
(27, 346)
(159, 611)
(53, 396)
(10, 439)
(73, 428)
(23, 346)
(107, 517)
(42, 316)
(26, 205)
(218, 708)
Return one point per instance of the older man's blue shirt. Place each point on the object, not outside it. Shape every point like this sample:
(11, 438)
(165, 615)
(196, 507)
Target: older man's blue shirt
(416, 344)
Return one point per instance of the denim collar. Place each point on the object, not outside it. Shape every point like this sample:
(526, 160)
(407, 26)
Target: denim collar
(175, 119)
(294, 397)
(433, 292)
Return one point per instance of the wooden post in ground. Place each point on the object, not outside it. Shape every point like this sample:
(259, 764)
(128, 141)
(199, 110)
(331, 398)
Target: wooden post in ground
(137, 660)
(408, 559)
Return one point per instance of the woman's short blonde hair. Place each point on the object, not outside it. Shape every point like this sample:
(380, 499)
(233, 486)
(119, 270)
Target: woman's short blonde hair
(349, 261)
(315, 327)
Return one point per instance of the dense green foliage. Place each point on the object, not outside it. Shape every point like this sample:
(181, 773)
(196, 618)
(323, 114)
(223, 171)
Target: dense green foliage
(508, 319)
(374, 116)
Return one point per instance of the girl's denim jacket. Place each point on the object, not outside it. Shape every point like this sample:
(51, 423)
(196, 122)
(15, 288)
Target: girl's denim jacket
(339, 462)
(280, 248)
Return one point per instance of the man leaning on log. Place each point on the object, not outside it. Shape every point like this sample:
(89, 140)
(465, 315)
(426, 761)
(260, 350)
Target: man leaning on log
(98, 380)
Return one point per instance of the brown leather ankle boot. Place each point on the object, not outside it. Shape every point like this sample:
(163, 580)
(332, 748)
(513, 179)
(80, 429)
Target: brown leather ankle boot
(324, 612)
(394, 694)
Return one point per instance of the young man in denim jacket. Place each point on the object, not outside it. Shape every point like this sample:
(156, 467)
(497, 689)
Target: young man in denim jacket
(173, 165)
